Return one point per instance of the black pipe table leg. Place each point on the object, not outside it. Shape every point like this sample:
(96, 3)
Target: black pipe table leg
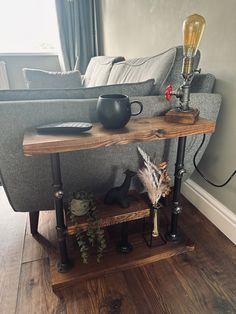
(173, 235)
(63, 264)
(124, 246)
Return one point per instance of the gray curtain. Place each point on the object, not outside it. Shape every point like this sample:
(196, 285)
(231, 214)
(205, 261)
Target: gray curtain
(77, 22)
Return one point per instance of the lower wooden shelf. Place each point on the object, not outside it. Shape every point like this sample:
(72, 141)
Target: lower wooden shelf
(113, 261)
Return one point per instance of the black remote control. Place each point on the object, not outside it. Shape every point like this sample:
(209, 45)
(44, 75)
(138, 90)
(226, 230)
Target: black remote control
(64, 127)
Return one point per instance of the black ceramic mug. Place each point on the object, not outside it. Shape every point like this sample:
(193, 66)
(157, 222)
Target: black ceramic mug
(114, 111)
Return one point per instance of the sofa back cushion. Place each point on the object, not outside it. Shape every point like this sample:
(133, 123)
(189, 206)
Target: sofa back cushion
(35, 78)
(131, 89)
(98, 70)
(164, 68)
(140, 69)
(203, 83)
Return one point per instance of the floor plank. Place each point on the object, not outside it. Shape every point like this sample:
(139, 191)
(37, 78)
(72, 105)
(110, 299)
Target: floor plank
(117, 297)
(165, 282)
(109, 294)
(12, 231)
(210, 296)
(35, 293)
(147, 299)
(37, 247)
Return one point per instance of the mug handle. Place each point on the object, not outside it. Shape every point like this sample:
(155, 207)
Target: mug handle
(141, 107)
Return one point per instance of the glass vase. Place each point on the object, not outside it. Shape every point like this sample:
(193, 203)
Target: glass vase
(151, 230)
(156, 214)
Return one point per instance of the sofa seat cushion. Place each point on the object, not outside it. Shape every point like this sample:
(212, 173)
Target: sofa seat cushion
(98, 70)
(35, 78)
(131, 89)
(140, 69)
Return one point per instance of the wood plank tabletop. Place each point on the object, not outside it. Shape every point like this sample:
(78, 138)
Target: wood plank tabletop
(137, 130)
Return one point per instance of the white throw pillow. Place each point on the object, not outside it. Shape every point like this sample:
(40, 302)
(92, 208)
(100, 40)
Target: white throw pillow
(35, 78)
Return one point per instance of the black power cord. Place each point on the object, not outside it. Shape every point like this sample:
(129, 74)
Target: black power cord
(202, 175)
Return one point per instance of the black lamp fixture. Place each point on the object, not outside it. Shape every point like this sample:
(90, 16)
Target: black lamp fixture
(193, 28)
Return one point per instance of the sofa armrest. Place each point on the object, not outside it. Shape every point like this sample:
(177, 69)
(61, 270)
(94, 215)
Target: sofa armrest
(25, 176)
(209, 106)
(207, 103)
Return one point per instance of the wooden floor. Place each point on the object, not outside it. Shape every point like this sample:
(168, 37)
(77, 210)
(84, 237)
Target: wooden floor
(203, 281)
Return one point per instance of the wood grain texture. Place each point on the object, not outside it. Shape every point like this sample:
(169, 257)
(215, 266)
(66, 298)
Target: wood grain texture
(183, 117)
(100, 296)
(37, 247)
(164, 281)
(12, 231)
(144, 291)
(113, 214)
(35, 293)
(137, 130)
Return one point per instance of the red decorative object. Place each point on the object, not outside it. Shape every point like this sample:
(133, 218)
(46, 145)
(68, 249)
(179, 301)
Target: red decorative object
(168, 92)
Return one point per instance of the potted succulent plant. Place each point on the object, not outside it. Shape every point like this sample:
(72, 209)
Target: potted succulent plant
(83, 203)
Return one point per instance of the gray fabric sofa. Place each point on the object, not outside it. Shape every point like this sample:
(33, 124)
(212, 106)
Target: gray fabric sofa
(27, 180)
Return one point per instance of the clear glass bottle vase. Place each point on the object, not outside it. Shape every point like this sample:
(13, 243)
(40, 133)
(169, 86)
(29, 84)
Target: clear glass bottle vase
(156, 214)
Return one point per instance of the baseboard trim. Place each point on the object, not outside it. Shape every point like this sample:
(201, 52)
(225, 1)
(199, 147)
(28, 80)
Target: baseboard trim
(223, 218)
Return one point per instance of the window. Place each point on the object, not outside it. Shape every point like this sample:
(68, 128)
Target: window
(28, 26)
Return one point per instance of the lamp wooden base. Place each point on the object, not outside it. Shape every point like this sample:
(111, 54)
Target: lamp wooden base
(183, 117)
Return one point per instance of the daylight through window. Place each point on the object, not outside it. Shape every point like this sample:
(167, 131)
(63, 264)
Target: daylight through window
(28, 26)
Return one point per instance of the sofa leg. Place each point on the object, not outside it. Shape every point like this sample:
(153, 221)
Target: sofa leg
(34, 219)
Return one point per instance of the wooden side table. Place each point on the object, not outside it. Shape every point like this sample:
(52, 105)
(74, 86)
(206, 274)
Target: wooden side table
(137, 130)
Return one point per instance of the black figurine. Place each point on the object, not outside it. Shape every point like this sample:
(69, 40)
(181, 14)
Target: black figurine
(119, 194)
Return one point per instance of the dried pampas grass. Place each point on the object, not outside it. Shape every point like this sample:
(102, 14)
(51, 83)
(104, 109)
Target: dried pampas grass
(156, 182)
(154, 178)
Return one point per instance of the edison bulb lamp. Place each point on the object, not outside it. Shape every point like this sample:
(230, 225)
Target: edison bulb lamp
(193, 28)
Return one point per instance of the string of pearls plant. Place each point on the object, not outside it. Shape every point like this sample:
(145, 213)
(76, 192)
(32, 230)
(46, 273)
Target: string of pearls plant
(83, 203)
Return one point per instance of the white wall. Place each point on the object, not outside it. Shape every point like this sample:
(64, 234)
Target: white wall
(16, 62)
(140, 28)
